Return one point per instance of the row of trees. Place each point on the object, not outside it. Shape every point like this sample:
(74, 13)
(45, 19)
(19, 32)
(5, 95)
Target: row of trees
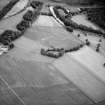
(73, 25)
(30, 16)
(8, 36)
(7, 8)
(58, 52)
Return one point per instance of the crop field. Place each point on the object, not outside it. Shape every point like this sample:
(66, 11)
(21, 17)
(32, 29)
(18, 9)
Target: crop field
(29, 78)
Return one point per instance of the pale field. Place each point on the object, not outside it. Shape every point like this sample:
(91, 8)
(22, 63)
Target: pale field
(92, 60)
(79, 74)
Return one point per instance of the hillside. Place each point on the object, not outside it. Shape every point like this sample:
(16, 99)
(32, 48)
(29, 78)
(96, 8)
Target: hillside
(28, 77)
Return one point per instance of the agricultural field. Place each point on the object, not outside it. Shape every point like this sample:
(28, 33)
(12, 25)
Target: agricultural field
(29, 78)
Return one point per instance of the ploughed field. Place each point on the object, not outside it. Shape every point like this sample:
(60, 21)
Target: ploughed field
(29, 78)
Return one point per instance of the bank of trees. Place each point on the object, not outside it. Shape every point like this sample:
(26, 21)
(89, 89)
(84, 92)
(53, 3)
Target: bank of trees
(8, 36)
(73, 25)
